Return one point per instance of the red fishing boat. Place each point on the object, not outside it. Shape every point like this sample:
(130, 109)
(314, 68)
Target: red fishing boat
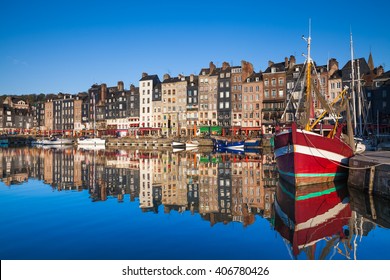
(306, 154)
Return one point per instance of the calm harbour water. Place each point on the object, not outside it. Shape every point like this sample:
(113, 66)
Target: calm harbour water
(67, 204)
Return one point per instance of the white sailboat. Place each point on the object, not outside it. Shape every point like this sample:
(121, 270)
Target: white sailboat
(54, 140)
(191, 143)
(92, 142)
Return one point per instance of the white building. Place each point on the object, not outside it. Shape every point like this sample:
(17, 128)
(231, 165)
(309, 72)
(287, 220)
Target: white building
(146, 88)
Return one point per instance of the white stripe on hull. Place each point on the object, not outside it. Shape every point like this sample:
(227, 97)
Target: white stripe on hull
(310, 151)
(240, 147)
(321, 219)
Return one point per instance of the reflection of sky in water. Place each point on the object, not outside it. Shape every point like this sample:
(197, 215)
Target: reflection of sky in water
(42, 224)
(39, 223)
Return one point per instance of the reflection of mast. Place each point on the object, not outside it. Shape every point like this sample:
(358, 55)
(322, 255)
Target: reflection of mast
(94, 171)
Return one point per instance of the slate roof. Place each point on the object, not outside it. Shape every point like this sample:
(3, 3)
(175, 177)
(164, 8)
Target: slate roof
(252, 78)
(336, 75)
(280, 67)
(150, 77)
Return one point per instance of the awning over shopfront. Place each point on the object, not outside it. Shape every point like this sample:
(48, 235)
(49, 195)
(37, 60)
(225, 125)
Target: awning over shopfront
(216, 130)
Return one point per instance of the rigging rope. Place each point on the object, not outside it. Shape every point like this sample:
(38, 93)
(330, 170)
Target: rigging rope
(339, 164)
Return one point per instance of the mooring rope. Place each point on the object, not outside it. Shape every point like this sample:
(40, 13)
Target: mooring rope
(339, 164)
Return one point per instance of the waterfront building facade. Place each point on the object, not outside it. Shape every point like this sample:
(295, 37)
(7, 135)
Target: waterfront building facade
(171, 125)
(192, 106)
(227, 100)
(63, 114)
(274, 102)
(252, 105)
(224, 98)
(208, 89)
(146, 86)
(334, 80)
(49, 116)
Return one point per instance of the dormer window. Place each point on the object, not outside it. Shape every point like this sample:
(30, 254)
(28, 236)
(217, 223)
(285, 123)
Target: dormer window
(273, 70)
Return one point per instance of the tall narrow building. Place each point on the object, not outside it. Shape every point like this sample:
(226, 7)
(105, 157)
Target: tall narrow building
(146, 86)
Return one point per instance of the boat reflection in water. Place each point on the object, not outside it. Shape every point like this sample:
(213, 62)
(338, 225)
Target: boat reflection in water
(314, 219)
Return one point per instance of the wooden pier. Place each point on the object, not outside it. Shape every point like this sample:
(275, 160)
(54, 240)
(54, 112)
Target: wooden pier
(370, 172)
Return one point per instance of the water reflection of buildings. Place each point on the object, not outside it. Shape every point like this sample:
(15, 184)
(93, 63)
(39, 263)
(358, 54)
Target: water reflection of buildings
(15, 166)
(220, 187)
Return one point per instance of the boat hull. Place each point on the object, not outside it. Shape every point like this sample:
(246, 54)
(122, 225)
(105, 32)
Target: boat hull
(54, 142)
(252, 143)
(192, 144)
(233, 145)
(91, 142)
(177, 144)
(305, 158)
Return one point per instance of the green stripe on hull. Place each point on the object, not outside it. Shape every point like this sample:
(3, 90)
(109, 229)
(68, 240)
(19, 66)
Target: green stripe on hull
(317, 194)
(313, 174)
(311, 195)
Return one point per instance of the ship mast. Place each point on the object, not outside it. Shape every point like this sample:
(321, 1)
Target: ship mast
(353, 88)
(359, 96)
(308, 77)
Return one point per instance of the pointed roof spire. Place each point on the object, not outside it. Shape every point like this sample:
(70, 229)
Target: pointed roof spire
(370, 62)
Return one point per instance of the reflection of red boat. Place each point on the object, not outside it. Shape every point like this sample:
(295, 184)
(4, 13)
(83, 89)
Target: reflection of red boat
(306, 215)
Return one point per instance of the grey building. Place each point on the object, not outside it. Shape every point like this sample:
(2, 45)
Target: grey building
(224, 100)
(63, 114)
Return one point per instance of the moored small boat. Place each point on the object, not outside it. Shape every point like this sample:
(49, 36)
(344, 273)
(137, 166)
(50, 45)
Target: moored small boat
(225, 144)
(178, 144)
(191, 143)
(93, 141)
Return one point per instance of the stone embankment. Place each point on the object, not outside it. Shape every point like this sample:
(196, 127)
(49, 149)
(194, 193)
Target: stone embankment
(150, 142)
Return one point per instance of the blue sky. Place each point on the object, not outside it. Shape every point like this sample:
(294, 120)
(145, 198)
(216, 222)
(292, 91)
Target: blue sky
(66, 46)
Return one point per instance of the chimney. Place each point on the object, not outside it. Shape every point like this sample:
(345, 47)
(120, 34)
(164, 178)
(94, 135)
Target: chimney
(103, 93)
(247, 69)
(292, 61)
(192, 78)
(212, 67)
(120, 86)
(132, 88)
(166, 77)
(286, 62)
(225, 65)
(333, 66)
(144, 74)
(380, 71)
(270, 63)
